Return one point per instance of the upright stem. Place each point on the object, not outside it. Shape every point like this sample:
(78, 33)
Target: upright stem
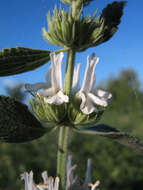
(62, 155)
(69, 72)
(64, 130)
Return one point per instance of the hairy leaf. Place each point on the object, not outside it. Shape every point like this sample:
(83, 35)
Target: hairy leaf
(111, 16)
(113, 12)
(21, 59)
(112, 133)
(17, 124)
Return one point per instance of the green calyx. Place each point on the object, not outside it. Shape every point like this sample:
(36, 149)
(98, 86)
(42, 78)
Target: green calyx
(78, 119)
(48, 114)
(51, 115)
(61, 28)
(73, 31)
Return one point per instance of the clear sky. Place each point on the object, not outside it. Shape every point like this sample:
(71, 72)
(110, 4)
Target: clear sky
(21, 23)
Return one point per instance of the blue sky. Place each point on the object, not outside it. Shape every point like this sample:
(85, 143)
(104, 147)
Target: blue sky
(21, 23)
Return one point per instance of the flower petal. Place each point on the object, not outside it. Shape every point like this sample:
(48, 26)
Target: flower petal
(87, 105)
(56, 74)
(93, 186)
(88, 172)
(28, 179)
(89, 76)
(86, 78)
(97, 100)
(94, 61)
(75, 84)
(56, 185)
(45, 177)
(50, 183)
(89, 108)
(103, 94)
(48, 76)
(83, 99)
(69, 171)
(57, 99)
(59, 69)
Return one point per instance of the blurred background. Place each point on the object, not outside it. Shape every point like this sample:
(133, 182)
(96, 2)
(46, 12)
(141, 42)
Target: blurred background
(119, 71)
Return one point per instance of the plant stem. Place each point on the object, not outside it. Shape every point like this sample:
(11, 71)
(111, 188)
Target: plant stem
(64, 130)
(69, 72)
(62, 154)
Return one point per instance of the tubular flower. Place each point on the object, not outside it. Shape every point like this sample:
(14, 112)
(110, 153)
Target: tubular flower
(48, 182)
(91, 97)
(52, 89)
(84, 107)
(28, 179)
(73, 182)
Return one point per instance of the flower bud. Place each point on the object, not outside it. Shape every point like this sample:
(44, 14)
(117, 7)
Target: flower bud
(73, 31)
(60, 28)
(80, 33)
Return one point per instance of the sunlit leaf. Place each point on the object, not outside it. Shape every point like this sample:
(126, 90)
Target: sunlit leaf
(112, 133)
(21, 59)
(17, 124)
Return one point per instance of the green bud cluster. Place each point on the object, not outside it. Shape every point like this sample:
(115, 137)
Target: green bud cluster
(61, 28)
(51, 115)
(48, 114)
(73, 30)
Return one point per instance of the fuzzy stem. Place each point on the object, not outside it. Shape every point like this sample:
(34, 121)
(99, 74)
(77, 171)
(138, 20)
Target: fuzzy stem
(69, 72)
(64, 130)
(62, 155)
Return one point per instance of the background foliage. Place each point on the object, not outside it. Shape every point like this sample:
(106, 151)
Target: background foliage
(115, 166)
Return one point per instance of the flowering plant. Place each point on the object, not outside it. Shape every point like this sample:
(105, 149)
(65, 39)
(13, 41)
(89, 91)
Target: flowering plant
(54, 105)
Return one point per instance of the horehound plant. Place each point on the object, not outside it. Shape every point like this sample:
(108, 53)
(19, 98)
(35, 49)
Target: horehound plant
(67, 106)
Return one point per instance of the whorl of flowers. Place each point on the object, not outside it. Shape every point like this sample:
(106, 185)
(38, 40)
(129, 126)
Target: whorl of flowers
(73, 182)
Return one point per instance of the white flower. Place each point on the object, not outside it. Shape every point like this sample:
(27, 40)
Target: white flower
(52, 90)
(75, 84)
(28, 179)
(74, 182)
(90, 96)
(49, 182)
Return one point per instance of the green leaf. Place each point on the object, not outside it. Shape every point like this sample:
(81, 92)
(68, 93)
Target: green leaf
(112, 133)
(113, 12)
(17, 124)
(111, 15)
(21, 59)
